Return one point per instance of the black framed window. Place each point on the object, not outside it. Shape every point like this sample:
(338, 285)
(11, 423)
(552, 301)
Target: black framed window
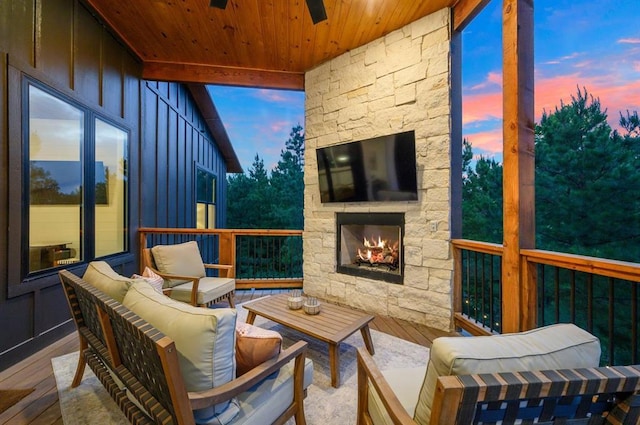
(75, 169)
(205, 199)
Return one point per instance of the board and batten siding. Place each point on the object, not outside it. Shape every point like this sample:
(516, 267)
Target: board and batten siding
(61, 44)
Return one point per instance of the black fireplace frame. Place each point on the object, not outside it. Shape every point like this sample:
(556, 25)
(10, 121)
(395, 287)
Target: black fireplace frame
(375, 219)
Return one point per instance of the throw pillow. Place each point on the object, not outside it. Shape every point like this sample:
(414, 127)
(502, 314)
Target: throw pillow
(102, 276)
(155, 280)
(254, 346)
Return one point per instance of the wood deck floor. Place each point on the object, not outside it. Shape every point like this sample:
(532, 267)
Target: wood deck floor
(41, 407)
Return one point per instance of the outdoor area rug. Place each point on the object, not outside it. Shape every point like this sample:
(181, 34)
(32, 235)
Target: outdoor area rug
(10, 397)
(324, 405)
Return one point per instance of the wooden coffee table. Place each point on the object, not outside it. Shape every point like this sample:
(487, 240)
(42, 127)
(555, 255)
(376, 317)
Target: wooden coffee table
(333, 325)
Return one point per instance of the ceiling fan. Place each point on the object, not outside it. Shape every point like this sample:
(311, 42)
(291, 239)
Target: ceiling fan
(316, 9)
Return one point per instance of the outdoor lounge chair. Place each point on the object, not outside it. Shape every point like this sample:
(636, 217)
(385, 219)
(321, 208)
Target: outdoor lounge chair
(184, 274)
(544, 376)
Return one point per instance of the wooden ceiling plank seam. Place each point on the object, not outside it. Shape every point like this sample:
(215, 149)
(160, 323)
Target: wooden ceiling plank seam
(252, 48)
(393, 14)
(282, 34)
(267, 20)
(335, 31)
(356, 13)
(340, 21)
(113, 28)
(295, 34)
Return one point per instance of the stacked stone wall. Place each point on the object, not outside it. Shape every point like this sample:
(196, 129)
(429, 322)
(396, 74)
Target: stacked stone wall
(394, 84)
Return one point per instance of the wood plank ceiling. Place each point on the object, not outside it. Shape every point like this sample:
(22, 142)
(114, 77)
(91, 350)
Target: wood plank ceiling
(257, 43)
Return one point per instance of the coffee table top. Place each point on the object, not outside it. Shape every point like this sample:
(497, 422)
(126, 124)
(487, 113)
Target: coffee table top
(333, 324)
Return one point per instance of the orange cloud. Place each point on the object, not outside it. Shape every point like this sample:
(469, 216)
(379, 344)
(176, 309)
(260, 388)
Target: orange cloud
(481, 107)
(493, 79)
(486, 141)
(614, 95)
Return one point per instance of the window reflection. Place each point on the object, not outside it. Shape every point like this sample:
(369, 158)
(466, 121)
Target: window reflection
(77, 183)
(110, 179)
(55, 184)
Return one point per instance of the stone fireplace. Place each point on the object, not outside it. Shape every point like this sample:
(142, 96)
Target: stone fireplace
(395, 84)
(370, 245)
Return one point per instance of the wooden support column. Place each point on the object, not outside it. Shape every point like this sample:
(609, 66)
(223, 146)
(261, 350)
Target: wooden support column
(518, 281)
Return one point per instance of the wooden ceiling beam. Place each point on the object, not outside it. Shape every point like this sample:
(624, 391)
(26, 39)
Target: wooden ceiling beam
(465, 10)
(230, 76)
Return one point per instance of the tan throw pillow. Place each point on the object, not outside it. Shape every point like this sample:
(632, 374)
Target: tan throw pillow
(102, 276)
(155, 280)
(254, 346)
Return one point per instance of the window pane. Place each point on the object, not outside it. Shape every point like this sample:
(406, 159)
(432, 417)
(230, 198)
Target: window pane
(211, 216)
(202, 192)
(201, 215)
(110, 189)
(55, 181)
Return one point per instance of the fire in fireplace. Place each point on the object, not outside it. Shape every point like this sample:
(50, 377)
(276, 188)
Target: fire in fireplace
(379, 253)
(370, 245)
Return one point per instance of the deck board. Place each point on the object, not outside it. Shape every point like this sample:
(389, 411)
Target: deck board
(41, 407)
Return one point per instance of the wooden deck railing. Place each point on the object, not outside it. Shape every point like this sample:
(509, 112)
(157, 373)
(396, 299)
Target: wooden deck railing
(599, 295)
(261, 258)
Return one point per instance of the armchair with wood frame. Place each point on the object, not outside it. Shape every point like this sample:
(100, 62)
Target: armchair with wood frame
(184, 274)
(548, 375)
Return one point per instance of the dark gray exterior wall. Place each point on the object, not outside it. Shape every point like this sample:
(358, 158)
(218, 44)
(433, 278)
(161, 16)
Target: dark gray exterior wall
(62, 45)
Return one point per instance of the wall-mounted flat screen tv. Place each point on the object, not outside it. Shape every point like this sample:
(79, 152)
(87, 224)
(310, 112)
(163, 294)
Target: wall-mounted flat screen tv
(372, 170)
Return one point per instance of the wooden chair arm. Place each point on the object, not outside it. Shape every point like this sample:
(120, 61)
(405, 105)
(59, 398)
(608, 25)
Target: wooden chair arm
(194, 287)
(239, 385)
(226, 270)
(369, 373)
(194, 279)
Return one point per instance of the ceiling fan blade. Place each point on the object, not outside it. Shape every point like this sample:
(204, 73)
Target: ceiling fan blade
(220, 4)
(317, 11)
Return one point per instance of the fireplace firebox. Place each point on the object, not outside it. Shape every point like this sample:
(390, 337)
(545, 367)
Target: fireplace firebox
(370, 245)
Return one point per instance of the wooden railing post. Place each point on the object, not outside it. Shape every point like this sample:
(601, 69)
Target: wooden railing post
(518, 308)
(227, 250)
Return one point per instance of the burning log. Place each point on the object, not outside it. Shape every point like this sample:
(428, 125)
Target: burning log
(378, 253)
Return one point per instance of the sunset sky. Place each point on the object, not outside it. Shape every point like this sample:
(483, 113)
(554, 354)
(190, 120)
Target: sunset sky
(593, 45)
(590, 45)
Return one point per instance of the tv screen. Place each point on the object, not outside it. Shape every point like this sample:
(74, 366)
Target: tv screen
(373, 170)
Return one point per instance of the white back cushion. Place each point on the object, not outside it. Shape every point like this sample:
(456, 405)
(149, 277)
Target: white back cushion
(181, 260)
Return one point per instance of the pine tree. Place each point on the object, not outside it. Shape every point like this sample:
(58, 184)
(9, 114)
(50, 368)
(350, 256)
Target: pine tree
(587, 182)
(287, 181)
(481, 197)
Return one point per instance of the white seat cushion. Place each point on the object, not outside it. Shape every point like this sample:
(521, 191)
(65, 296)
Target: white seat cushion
(405, 384)
(561, 346)
(268, 400)
(209, 289)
